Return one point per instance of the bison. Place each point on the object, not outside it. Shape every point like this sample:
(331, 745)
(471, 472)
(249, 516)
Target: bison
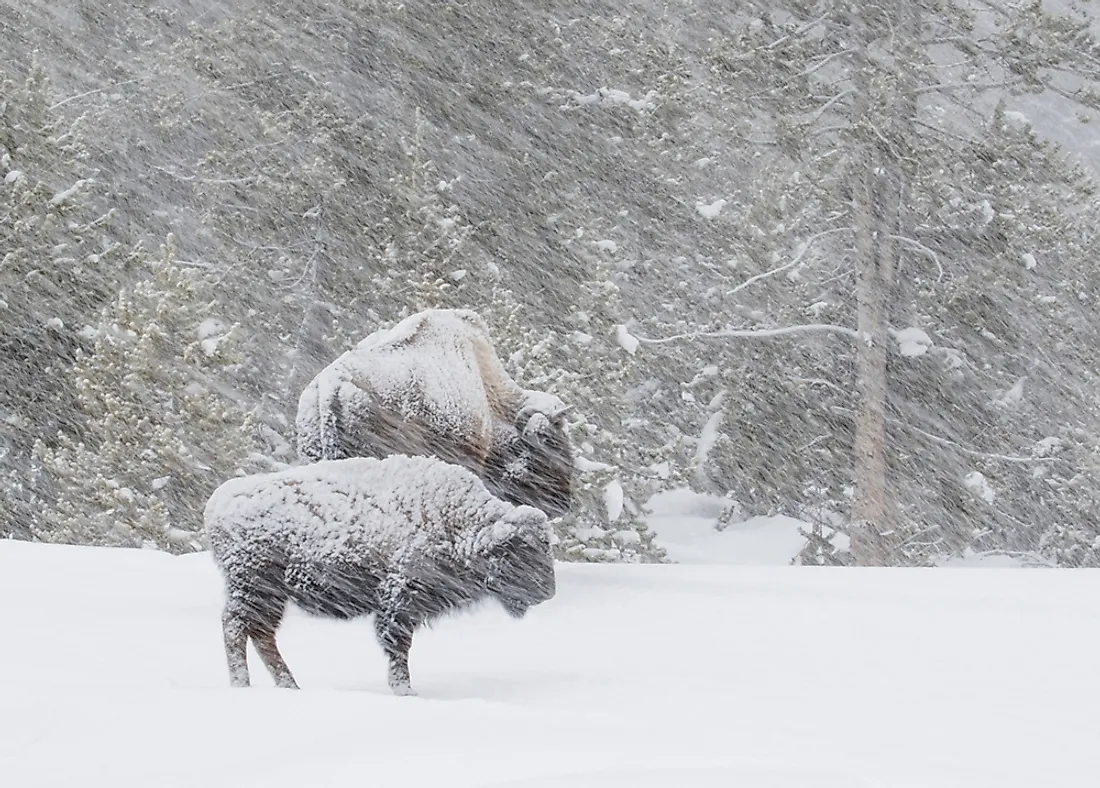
(433, 386)
(407, 539)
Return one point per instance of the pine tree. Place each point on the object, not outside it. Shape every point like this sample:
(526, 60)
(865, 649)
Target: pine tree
(880, 159)
(59, 263)
(592, 368)
(164, 430)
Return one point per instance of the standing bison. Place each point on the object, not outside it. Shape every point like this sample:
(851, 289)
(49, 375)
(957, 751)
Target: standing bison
(433, 386)
(405, 538)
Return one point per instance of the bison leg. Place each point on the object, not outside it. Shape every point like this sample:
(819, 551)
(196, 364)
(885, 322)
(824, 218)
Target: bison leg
(395, 635)
(264, 640)
(236, 647)
(257, 617)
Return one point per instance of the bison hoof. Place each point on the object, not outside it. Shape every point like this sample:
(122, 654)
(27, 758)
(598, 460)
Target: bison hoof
(403, 690)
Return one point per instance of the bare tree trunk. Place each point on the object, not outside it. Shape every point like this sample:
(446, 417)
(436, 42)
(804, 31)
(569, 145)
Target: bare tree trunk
(874, 273)
(878, 189)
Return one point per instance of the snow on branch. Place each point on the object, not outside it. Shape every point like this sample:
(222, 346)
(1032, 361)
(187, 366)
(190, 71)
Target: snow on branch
(912, 342)
(972, 452)
(761, 333)
(799, 254)
(67, 194)
(958, 447)
(626, 341)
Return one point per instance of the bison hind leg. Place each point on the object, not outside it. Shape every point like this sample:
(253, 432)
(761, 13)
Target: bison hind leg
(241, 621)
(395, 635)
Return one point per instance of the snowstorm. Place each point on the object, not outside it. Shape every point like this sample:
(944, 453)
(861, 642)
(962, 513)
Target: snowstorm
(610, 394)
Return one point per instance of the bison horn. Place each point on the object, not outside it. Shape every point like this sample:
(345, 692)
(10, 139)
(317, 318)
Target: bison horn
(562, 411)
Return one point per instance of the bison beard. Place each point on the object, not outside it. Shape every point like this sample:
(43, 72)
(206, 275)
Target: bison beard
(265, 566)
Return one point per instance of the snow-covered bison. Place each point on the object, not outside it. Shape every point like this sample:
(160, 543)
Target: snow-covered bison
(406, 538)
(433, 385)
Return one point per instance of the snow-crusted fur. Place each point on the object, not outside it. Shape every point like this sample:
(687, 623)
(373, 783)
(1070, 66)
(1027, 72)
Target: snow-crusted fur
(433, 385)
(406, 538)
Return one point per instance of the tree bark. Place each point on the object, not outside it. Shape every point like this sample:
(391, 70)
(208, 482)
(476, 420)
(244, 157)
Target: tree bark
(874, 272)
(878, 188)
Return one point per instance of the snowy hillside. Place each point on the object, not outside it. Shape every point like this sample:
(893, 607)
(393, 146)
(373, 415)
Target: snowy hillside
(111, 674)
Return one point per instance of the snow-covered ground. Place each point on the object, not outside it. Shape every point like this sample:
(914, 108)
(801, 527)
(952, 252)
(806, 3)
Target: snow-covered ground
(112, 674)
(684, 523)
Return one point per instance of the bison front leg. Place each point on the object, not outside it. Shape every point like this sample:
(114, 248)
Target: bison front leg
(257, 619)
(395, 634)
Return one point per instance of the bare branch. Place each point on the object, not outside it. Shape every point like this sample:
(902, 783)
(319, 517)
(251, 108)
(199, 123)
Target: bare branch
(972, 452)
(812, 443)
(825, 107)
(761, 333)
(829, 129)
(800, 31)
(921, 248)
(216, 181)
(825, 60)
(802, 249)
(65, 101)
(945, 87)
(819, 382)
(959, 448)
(1029, 558)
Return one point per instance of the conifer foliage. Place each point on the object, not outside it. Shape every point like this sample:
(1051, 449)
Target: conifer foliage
(59, 263)
(163, 430)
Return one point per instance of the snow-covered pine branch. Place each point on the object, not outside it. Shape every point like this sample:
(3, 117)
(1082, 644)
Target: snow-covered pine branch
(761, 333)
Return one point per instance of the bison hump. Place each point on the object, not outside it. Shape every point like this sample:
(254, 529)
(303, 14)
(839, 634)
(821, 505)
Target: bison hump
(437, 368)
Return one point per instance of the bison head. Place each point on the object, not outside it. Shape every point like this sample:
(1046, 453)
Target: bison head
(521, 563)
(532, 462)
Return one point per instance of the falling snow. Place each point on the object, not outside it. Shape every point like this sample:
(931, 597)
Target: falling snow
(750, 294)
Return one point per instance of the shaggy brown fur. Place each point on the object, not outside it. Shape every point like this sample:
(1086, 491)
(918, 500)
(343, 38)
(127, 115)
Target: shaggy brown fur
(434, 386)
(407, 539)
